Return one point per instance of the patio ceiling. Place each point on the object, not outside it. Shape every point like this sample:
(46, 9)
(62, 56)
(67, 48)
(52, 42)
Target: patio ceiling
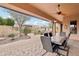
(67, 9)
(45, 10)
(30, 10)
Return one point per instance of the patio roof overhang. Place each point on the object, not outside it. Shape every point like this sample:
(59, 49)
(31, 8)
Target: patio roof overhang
(45, 11)
(31, 10)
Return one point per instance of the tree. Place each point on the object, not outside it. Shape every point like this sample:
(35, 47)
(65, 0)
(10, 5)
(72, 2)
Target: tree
(19, 18)
(10, 22)
(1, 20)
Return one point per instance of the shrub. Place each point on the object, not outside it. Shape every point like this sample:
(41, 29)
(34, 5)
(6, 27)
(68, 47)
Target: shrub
(11, 35)
(26, 31)
(37, 32)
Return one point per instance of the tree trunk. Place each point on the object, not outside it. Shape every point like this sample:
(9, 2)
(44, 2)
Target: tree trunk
(20, 27)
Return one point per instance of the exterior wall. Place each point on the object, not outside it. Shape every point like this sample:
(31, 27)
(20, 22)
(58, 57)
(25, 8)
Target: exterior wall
(66, 28)
(78, 26)
(66, 23)
(7, 30)
(57, 28)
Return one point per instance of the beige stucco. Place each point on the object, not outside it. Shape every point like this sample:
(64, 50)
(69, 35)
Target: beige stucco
(66, 23)
(66, 28)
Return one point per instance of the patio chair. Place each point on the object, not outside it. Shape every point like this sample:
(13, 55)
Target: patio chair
(53, 47)
(64, 46)
(46, 42)
(48, 34)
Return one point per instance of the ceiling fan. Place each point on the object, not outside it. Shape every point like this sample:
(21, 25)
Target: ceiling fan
(59, 12)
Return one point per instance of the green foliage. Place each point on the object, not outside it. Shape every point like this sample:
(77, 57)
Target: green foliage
(1, 21)
(11, 35)
(10, 22)
(26, 31)
(38, 32)
(7, 21)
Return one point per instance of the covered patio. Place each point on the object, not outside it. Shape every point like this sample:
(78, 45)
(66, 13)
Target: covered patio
(64, 18)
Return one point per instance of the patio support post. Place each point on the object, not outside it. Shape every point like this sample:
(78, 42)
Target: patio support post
(61, 27)
(54, 28)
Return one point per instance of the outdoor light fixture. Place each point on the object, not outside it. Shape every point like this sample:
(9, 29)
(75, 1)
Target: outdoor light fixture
(59, 12)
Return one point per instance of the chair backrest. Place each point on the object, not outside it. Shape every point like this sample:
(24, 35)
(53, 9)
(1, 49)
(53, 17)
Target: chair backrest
(46, 34)
(65, 41)
(50, 34)
(46, 42)
(68, 35)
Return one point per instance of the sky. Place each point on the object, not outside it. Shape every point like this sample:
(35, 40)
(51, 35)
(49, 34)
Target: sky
(4, 13)
(32, 21)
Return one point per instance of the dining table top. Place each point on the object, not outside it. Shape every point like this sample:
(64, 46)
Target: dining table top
(58, 39)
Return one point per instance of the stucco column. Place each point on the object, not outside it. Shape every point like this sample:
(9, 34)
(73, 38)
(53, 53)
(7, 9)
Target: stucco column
(54, 28)
(61, 27)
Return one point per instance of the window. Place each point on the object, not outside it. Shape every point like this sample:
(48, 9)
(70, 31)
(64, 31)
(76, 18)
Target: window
(73, 27)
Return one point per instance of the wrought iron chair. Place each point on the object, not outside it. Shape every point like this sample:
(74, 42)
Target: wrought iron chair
(64, 46)
(53, 47)
(47, 45)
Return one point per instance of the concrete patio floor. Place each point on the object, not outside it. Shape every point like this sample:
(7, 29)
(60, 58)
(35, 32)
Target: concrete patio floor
(33, 47)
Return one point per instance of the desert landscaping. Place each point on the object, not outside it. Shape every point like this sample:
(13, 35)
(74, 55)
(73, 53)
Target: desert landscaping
(31, 47)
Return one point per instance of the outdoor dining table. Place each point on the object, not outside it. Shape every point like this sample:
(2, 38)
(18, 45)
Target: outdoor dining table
(57, 39)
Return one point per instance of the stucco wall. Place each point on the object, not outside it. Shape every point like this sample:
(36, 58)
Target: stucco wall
(6, 30)
(66, 24)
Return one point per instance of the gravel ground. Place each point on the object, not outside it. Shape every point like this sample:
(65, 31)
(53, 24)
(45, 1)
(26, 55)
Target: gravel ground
(29, 47)
(32, 47)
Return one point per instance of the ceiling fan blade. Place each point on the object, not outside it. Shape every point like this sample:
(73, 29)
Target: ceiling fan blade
(63, 14)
